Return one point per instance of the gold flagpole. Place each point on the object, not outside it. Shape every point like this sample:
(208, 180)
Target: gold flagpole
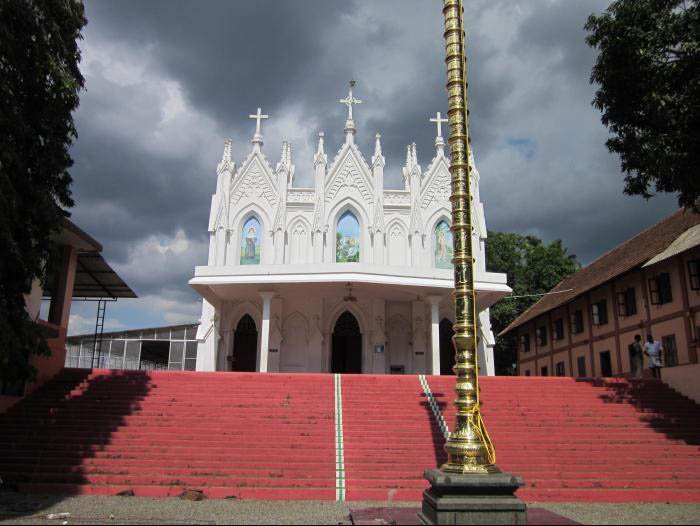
(469, 448)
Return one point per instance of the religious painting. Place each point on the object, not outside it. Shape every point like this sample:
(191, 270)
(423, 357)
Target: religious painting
(250, 242)
(347, 236)
(442, 241)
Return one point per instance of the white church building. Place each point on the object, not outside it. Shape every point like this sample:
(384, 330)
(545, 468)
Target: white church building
(344, 277)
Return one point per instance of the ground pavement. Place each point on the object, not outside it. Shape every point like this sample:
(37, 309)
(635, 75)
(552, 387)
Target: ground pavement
(33, 509)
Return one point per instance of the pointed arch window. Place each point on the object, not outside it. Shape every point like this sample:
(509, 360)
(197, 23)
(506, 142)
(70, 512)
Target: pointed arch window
(442, 245)
(347, 239)
(251, 235)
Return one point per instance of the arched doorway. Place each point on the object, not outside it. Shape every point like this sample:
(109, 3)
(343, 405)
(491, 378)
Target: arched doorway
(346, 351)
(447, 350)
(245, 345)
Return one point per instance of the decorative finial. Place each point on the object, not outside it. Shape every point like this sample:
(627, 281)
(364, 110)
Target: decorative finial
(414, 154)
(257, 138)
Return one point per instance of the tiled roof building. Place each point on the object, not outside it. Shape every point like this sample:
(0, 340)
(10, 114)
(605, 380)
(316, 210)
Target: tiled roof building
(649, 284)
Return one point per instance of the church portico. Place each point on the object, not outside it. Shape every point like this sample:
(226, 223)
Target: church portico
(295, 309)
(347, 276)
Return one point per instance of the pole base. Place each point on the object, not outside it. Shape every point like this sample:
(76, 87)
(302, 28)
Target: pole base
(472, 498)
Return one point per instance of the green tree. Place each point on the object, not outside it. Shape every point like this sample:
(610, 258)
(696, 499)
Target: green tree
(648, 72)
(39, 85)
(533, 268)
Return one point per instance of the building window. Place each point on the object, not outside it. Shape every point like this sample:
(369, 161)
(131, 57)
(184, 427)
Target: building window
(694, 274)
(525, 342)
(544, 371)
(670, 350)
(561, 370)
(558, 330)
(542, 336)
(581, 363)
(250, 242)
(627, 302)
(347, 239)
(577, 322)
(660, 289)
(442, 243)
(600, 313)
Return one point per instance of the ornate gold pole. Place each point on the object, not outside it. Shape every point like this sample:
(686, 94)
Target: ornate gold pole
(469, 448)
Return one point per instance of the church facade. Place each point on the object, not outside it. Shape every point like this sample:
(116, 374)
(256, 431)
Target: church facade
(347, 276)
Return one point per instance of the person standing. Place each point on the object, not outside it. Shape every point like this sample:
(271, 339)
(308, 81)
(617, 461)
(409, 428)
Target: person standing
(653, 350)
(636, 356)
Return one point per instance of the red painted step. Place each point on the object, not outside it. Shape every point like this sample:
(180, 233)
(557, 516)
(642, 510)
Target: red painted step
(272, 436)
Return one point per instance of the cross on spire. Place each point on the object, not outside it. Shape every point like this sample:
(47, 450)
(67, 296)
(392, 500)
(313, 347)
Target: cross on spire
(350, 100)
(439, 122)
(258, 117)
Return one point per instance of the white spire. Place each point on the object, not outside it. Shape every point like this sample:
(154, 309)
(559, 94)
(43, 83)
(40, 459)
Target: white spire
(377, 157)
(226, 163)
(414, 155)
(350, 123)
(257, 138)
(320, 156)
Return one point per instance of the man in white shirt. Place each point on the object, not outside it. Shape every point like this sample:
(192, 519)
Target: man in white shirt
(653, 350)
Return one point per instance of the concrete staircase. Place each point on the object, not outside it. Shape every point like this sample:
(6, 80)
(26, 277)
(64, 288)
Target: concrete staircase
(313, 436)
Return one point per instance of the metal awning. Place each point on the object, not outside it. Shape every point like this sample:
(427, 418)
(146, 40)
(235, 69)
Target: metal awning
(94, 278)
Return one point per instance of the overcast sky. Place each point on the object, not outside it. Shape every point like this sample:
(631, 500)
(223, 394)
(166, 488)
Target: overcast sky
(168, 81)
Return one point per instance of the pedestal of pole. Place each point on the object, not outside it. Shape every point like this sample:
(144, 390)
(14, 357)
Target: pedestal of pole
(472, 499)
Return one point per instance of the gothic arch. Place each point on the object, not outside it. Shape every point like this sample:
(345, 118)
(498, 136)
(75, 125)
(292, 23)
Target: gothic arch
(349, 204)
(240, 218)
(298, 243)
(397, 248)
(353, 309)
(231, 319)
(296, 315)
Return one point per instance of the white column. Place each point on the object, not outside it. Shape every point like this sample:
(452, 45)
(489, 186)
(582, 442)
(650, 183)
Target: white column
(434, 333)
(208, 337)
(265, 333)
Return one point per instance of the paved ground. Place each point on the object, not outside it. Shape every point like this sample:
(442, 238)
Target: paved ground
(33, 509)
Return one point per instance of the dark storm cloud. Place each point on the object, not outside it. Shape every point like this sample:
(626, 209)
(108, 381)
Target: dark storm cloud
(168, 81)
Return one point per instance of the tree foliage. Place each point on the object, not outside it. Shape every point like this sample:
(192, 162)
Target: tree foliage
(39, 85)
(533, 268)
(648, 72)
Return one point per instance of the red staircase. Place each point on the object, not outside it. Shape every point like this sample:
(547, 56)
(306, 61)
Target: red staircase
(590, 440)
(273, 436)
(238, 435)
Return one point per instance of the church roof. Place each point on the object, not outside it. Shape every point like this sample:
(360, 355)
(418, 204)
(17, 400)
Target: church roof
(631, 254)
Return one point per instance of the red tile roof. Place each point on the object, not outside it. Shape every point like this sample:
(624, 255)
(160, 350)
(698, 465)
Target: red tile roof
(629, 255)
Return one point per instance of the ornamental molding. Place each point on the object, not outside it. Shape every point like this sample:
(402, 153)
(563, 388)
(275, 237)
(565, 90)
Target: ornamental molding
(397, 198)
(349, 175)
(254, 184)
(301, 195)
(437, 188)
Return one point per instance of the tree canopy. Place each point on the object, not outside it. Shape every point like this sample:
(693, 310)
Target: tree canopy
(648, 72)
(39, 85)
(533, 268)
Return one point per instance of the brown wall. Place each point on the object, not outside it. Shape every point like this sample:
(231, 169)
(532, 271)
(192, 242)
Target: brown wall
(680, 318)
